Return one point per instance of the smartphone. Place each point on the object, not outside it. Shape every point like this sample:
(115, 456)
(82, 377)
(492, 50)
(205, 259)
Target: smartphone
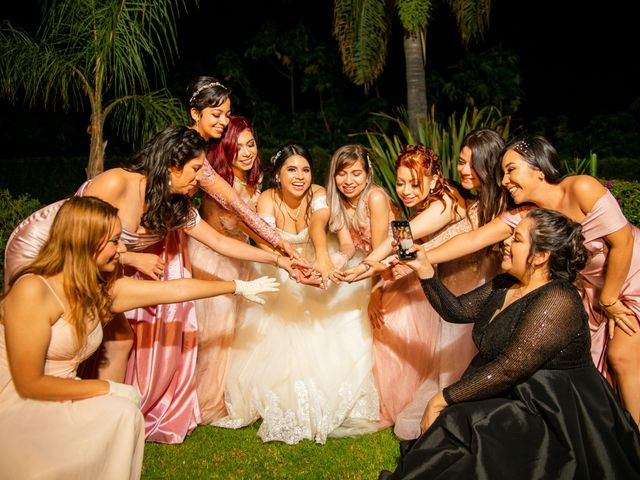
(404, 239)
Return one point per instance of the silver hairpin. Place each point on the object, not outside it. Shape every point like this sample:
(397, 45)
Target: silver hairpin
(203, 87)
(275, 158)
(522, 147)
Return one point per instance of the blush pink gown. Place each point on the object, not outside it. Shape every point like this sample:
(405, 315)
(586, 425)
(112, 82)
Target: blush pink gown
(604, 218)
(404, 347)
(217, 316)
(452, 347)
(99, 437)
(162, 363)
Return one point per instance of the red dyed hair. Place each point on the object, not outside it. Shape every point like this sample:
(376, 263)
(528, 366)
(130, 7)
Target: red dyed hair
(422, 161)
(222, 153)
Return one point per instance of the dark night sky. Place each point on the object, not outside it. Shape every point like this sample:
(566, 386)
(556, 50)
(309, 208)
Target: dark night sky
(577, 59)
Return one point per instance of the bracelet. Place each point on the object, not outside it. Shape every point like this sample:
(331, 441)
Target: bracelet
(121, 258)
(607, 305)
(366, 267)
(277, 262)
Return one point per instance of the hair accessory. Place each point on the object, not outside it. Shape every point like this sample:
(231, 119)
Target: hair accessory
(522, 147)
(204, 87)
(275, 158)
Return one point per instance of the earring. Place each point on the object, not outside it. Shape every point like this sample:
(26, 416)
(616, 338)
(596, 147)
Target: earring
(542, 176)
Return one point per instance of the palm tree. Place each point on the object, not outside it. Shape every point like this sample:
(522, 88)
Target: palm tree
(363, 27)
(101, 52)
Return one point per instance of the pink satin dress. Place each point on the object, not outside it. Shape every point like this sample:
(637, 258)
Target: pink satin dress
(452, 347)
(99, 437)
(218, 317)
(605, 217)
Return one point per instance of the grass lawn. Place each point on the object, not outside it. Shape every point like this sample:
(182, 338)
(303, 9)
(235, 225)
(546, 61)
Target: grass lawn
(212, 453)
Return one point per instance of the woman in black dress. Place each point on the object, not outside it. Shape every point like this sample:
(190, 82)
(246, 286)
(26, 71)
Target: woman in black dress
(531, 404)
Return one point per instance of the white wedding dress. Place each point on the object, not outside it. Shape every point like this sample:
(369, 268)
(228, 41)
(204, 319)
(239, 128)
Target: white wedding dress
(303, 361)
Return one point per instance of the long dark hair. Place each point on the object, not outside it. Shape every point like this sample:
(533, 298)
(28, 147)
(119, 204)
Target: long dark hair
(277, 161)
(172, 147)
(538, 152)
(485, 145)
(222, 153)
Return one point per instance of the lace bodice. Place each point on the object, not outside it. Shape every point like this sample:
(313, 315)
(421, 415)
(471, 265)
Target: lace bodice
(226, 221)
(545, 329)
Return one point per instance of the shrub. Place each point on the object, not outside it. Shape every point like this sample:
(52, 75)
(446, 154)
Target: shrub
(628, 196)
(12, 212)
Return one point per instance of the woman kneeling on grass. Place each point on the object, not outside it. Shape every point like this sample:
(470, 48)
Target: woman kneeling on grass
(531, 404)
(54, 424)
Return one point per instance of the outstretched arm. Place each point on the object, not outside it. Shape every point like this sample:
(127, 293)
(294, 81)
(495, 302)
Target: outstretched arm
(225, 195)
(469, 242)
(550, 322)
(129, 293)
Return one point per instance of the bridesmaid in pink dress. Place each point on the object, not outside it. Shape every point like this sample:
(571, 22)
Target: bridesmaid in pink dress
(611, 280)
(53, 424)
(235, 158)
(402, 340)
(444, 210)
(156, 213)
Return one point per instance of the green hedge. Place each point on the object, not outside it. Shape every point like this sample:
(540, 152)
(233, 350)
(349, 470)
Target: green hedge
(12, 212)
(628, 195)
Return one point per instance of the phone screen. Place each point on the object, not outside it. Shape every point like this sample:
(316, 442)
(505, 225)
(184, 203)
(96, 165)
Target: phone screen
(404, 239)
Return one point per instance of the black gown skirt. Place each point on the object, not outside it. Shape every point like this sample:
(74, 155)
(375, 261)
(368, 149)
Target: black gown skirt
(558, 424)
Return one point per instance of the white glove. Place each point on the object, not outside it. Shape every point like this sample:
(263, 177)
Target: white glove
(125, 391)
(251, 289)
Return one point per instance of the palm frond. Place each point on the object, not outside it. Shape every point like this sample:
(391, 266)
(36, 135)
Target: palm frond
(362, 29)
(139, 117)
(472, 17)
(414, 15)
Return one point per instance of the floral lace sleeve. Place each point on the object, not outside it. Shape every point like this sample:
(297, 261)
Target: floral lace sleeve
(227, 197)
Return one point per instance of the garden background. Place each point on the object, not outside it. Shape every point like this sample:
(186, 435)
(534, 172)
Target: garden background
(539, 67)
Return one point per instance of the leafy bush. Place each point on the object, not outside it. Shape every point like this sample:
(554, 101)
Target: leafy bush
(628, 196)
(12, 212)
(444, 138)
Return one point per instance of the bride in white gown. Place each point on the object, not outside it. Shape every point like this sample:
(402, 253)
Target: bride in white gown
(303, 362)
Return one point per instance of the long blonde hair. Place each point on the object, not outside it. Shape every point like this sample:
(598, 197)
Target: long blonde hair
(80, 229)
(343, 158)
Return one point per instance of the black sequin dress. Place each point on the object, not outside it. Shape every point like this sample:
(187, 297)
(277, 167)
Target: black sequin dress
(531, 405)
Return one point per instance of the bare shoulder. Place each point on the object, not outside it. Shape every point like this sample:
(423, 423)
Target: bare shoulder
(265, 202)
(318, 190)
(31, 293)
(585, 190)
(378, 198)
(112, 183)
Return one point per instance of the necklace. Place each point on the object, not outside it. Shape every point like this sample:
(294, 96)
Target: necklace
(240, 181)
(351, 204)
(295, 216)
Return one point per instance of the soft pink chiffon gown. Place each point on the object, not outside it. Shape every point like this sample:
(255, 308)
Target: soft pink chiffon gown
(217, 316)
(163, 360)
(404, 347)
(452, 347)
(100, 437)
(604, 218)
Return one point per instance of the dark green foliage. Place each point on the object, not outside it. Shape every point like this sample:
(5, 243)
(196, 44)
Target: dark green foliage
(12, 212)
(628, 196)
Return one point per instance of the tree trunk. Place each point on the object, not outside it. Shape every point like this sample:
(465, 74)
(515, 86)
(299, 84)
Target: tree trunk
(98, 145)
(416, 83)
